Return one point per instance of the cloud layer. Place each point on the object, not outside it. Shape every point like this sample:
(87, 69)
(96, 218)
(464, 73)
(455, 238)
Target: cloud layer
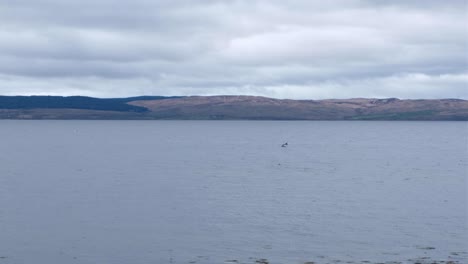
(284, 49)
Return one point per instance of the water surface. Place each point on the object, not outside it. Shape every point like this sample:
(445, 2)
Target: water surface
(145, 192)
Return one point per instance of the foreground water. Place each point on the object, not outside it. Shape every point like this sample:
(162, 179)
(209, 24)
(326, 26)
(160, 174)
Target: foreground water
(224, 192)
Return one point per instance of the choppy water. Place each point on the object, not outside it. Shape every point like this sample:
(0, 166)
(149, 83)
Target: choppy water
(145, 192)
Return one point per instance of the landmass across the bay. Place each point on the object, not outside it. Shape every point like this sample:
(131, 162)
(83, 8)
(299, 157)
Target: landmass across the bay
(229, 108)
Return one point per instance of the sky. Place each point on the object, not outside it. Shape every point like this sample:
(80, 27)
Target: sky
(297, 49)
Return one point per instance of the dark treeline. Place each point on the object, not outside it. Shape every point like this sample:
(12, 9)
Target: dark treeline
(75, 102)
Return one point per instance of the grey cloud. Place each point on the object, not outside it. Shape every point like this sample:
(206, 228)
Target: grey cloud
(288, 49)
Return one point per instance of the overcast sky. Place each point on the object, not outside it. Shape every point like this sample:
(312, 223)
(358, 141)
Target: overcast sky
(300, 49)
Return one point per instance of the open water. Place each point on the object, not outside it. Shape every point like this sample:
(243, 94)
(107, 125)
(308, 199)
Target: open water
(211, 192)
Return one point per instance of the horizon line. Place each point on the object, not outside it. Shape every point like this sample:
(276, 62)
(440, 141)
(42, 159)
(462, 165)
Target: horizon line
(232, 95)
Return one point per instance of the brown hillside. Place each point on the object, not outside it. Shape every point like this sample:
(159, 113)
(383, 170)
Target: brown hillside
(252, 107)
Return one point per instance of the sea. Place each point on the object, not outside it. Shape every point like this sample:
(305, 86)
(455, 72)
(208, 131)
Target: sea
(215, 192)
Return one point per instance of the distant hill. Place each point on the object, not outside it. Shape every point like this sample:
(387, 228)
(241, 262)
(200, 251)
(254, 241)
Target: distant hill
(261, 108)
(229, 108)
(74, 102)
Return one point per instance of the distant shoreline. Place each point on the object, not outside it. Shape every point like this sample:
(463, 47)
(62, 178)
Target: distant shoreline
(229, 108)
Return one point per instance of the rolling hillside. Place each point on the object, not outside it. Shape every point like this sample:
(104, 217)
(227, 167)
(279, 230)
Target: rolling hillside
(229, 108)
